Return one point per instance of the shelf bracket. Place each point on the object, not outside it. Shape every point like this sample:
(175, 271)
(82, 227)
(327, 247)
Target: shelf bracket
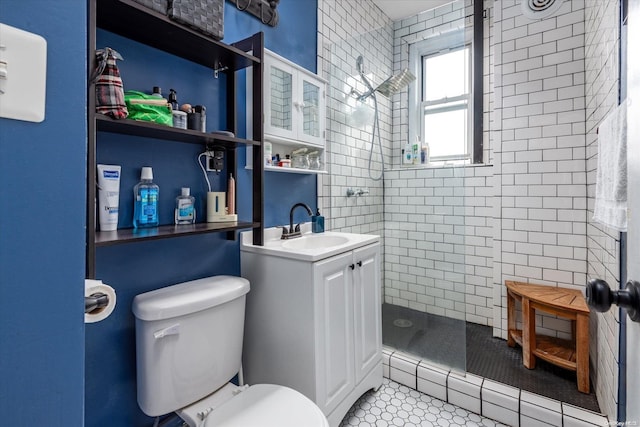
(219, 68)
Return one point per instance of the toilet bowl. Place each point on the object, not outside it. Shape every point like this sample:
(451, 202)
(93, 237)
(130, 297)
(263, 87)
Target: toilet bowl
(189, 347)
(260, 405)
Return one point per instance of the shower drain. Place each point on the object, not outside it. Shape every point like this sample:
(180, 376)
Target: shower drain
(403, 323)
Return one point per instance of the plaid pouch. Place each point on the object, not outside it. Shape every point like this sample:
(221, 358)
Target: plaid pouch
(109, 90)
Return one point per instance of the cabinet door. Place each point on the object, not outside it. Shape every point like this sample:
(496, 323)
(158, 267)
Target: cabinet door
(311, 110)
(279, 98)
(367, 310)
(333, 292)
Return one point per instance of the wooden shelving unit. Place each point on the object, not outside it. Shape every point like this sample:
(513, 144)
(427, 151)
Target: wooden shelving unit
(134, 21)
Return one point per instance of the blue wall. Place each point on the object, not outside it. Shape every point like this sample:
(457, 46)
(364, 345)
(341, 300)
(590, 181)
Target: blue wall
(42, 230)
(136, 268)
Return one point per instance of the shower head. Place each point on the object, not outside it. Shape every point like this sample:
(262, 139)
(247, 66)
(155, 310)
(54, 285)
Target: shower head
(395, 83)
(387, 88)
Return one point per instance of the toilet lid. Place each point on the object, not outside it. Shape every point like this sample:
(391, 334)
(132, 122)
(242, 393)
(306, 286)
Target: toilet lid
(267, 405)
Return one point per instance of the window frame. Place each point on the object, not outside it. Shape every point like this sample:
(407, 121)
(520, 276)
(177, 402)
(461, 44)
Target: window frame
(475, 40)
(418, 52)
(449, 104)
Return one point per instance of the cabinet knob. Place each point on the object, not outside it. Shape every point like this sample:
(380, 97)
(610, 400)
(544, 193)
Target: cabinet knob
(359, 263)
(352, 266)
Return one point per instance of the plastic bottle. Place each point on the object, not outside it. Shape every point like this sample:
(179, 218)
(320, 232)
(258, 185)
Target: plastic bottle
(407, 156)
(415, 152)
(157, 92)
(424, 154)
(173, 99)
(185, 207)
(317, 222)
(145, 196)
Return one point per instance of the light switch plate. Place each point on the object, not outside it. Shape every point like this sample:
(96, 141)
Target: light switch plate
(23, 74)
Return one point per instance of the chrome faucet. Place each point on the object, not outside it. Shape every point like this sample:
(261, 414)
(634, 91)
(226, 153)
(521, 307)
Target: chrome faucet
(357, 192)
(294, 232)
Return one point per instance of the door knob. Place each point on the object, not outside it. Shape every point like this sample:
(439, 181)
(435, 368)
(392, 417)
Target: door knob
(600, 297)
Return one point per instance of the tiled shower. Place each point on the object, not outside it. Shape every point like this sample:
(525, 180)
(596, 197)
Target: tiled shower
(453, 234)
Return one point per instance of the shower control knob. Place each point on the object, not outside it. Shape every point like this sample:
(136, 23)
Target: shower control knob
(600, 297)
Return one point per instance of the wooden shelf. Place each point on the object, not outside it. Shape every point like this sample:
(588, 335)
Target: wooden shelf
(154, 130)
(554, 350)
(136, 22)
(132, 235)
(157, 30)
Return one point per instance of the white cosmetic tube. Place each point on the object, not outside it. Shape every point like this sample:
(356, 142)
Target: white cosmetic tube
(108, 196)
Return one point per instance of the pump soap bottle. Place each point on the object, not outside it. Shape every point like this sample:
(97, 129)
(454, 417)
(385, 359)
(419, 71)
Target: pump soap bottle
(145, 197)
(317, 222)
(185, 207)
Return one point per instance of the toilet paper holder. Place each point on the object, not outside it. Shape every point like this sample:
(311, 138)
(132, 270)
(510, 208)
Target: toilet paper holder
(95, 301)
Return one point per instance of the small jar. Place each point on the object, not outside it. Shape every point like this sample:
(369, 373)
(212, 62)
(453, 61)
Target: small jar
(314, 162)
(300, 161)
(179, 119)
(285, 163)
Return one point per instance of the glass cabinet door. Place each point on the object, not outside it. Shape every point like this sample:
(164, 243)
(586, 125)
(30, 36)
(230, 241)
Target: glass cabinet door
(279, 99)
(310, 109)
(294, 103)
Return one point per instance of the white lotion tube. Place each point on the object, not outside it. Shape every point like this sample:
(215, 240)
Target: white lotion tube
(108, 196)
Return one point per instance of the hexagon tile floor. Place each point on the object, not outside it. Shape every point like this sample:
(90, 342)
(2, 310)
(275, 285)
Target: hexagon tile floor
(398, 405)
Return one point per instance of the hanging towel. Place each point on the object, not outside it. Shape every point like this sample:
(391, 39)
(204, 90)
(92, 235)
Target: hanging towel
(611, 176)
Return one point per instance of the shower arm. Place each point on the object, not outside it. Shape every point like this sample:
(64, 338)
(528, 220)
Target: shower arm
(362, 96)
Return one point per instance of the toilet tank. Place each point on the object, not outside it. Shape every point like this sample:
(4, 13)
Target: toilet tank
(188, 341)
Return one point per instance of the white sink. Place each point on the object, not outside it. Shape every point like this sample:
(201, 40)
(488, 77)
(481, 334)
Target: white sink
(311, 241)
(309, 247)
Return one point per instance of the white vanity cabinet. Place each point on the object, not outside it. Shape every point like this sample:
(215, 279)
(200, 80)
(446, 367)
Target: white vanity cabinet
(315, 326)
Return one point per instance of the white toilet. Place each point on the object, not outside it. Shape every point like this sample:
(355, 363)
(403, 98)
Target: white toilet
(189, 346)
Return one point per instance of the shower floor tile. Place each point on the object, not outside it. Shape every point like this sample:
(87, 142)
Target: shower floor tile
(469, 347)
(397, 405)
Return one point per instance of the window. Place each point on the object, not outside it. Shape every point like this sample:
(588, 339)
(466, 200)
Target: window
(441, 98)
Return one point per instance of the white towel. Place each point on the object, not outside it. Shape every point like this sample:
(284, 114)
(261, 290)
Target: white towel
(611, 176)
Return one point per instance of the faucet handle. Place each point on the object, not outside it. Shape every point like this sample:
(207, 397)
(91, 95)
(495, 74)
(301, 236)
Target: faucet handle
(297, 229)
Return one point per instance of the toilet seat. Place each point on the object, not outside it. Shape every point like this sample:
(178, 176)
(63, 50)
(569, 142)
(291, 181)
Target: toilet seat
(267, 405)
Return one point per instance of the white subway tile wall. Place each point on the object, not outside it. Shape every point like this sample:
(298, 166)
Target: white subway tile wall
(438, 241)
(439, 221)
(539, 154)
(602, 39)
(453, 235)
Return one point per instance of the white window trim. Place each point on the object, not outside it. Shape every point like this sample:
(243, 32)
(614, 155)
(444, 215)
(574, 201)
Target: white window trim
(436, 44)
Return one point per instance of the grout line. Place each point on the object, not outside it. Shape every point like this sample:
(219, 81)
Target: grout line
(520, 407)
(446, 388)
(481, 399)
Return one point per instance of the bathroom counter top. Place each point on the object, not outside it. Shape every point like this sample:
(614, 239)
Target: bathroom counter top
(309, 247)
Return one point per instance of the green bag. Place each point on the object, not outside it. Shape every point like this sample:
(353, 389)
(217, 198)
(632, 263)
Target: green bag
(148, 108)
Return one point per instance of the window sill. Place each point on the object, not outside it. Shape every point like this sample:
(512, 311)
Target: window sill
(441, 165)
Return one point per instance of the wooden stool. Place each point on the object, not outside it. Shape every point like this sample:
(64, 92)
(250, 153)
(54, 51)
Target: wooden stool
(567, 303)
